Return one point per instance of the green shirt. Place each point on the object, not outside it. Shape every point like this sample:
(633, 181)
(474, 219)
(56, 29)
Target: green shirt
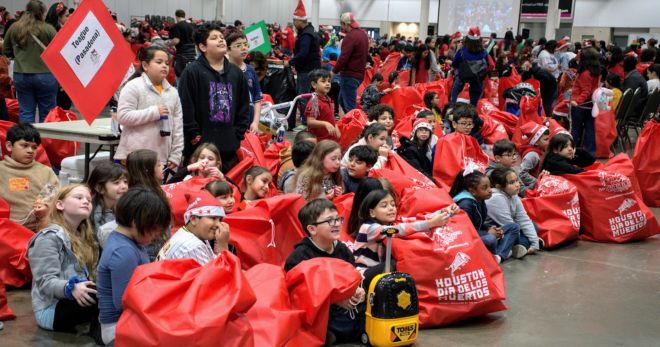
(28, 59)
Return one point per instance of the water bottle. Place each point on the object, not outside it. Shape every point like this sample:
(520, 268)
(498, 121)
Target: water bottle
(164, 124)
(115, 128)
(280, 133)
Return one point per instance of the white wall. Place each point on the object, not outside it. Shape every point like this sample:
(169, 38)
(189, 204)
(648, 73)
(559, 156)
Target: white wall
(617, 13)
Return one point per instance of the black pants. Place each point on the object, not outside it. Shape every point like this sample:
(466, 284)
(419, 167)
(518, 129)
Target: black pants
(334, 95)
(68, 314)
(229, 160)
(4, 114)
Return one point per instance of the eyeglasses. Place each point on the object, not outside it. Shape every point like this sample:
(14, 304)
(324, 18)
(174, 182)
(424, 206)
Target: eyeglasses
(333, 222)
(240, 45)
(512, 155)
(466, 125)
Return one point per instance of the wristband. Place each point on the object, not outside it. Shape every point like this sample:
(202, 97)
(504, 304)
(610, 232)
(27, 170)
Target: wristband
(71, 284)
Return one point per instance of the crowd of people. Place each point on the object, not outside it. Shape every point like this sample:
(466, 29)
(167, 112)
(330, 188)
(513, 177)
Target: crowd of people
(89, 238)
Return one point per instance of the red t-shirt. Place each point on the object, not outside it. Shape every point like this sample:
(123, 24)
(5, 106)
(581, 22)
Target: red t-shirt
(326, 113)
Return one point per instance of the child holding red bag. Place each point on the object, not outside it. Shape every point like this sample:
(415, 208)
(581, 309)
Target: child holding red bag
(418, 151)
(320, 175)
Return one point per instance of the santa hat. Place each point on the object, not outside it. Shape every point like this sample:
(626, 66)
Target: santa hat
(532, 132)
(561, 44)
(348, 19)
(202, 204)
(421, 123)
(474, 33)
(456, 36)
(300, 12)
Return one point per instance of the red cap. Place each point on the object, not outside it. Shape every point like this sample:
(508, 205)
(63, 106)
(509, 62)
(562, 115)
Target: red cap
(532, 132)
(300, 12)
(474, 33)
(561, 44)
(421, 123)
(456, 36)
(202, 204)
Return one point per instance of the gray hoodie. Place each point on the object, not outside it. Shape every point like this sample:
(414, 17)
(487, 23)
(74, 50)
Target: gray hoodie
(504, 209)
(52, 263)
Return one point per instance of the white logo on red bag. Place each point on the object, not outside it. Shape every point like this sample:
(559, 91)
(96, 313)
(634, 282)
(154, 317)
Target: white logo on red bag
(573, 212)
(459, 261)
(467, 162)
(444, 237)
(552, 185)
(626, 205)
(613, 182)
(627, 223)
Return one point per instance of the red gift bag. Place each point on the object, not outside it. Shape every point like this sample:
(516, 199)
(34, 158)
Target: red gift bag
(415, 202)
(508, 120)
(647, 162)
(350, 126)
(506, 83)
(60, 149)
(180, 303)
(4, 208)
(452, 153)
(40, 156)
(267, 231)
(273, 319)
(399, 99)
(315, 284)
(554, 206)
(605, 125)
(611, 208)
(437, 86)
(403, 129)
(404, 173)
(272, 156)
(14, 265)
(492, 130)
(529, 112)
(252, 147)
(344, 205)
(457, 277)
(389, 65)
(484, 106)
(5, 311)
(236, 173)
(490, 90)
(13, 109)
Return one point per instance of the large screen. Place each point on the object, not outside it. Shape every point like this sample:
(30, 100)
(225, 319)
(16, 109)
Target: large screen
(496, 16)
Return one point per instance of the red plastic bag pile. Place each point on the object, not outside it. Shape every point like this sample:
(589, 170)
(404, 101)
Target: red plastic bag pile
(647, 163)
(5, 311)
(554, 206)
(14, 266)
(350, 126)
(452, 153)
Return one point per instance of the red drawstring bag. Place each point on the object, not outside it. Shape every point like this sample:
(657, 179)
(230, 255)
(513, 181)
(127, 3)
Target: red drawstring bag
(5, 311)
(236, 173)
(403, 129)
(176, 302)
(492, 130)
(13, 110)
(529, 112)
(315, 284)
(506, 83)
(252, 147)
(611, 207)
(508, 120)
(622, 164)
(484, 106)
(344, 205)
(490, 91)
(457, 277)
(350, 126)
(267, 231)
(272, 156)
(647, 163)
(415, 202)
(272, 317)
(389, 65)
(452, 153)
(4, 208)
(14, 265)
(554, 206)
(57, 150)
(439, 87)
(403, 173)
(605, 125)
(399, 99)
(40, 156)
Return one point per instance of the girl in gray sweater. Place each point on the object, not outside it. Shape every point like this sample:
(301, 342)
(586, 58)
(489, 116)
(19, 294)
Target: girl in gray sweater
(505, 207)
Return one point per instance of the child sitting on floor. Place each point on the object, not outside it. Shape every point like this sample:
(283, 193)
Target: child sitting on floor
(418, 151)
(108, 181)
(371, 95)
(299, 154)
(383, 114)
(562, 158)
(320, 174)
(505, 155)
(535, 143)
(375, 136)
(205, 161)
(361, 159)
(256, 181)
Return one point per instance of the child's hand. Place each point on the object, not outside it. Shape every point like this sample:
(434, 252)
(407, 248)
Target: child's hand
(531, 250)
(40, 210)
(346, 304)
(452, 209)
(254, 128)
(337, 132)
(222, 237)
(387, 90)
(330, 194)
(358, 297)
(439, 220)
(171, 165)
(195, 167)
(214, 172)
(330, 129)
(81, 293)
(163, 110)
(384, 150)
(496, 231)
(338, 190)
(543, 173)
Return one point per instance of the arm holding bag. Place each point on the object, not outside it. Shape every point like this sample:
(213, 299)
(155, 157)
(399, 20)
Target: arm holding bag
(187, 304)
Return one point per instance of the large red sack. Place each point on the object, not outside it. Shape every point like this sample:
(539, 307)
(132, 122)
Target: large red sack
(350, 126)
(415, 202)
(399, 99)
(253, 147)
(484, 106)
(457, 277)
(5, 311)
(315, 284)
(611, 207)
(272, 156)
(344, 205)
(492, 130)
(389, 65)
(41, 155)
(403, 129)
(437, 86)
(529, 112)
(274, 321)
(554, 206)
(452, 153)
(14, 265)
(646, 160)
(506, 83)
(508, 120)
(180, 303)
(490, 90)
(60, 149)
(605, 125)
(4, 208)
(12, 110)
(236, 173)
(267, 231)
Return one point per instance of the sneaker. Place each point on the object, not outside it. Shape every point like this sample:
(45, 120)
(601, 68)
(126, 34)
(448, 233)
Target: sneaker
(301, 127)
(498, 259)
(519, 251)
(541, 244)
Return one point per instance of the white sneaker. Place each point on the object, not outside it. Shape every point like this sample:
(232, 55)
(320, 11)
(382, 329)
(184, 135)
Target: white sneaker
(519, 251)
(498, 259)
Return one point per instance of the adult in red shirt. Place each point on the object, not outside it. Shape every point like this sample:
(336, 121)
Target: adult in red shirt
(586, 83)
(352, 61)
(287, 39)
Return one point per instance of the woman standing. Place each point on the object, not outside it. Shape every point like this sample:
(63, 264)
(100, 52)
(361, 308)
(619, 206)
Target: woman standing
(57, 15)
(24, 42)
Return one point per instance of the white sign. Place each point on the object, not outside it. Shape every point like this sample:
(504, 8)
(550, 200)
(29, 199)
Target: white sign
(87, 50)
(255, 38)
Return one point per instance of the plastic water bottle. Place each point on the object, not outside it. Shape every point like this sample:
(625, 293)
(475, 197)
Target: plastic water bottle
(115, 128)
(280, 133)
(164, 124)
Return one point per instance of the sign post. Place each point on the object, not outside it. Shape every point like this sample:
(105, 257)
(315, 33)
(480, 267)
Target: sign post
(257, 37)
(89, 58)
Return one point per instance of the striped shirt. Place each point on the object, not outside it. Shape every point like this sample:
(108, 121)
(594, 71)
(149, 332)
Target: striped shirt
(368, 246)
(185, 244)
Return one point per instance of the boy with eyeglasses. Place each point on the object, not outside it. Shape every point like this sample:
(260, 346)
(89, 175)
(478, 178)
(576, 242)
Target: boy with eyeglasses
(321, 221)
(466, 121)
(505, 156)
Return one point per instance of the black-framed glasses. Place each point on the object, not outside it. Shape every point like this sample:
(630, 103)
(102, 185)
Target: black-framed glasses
(333, 222)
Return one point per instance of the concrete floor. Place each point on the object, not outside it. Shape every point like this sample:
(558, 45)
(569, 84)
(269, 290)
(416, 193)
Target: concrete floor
(584, 294)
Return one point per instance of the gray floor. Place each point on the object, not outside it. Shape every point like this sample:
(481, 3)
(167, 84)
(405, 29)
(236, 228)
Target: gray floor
(584, 294)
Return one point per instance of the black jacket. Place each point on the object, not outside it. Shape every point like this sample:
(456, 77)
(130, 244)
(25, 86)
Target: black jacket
(633, 81)
(312, 60)
(555, 164)
(415, 155)
(476, 210)
(216, 105)
(306, 250)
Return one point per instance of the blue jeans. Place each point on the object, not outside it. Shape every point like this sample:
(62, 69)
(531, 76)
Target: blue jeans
(511, 236)
(583, 130)
(490, 241)
(34, 89)
(476, 89)
(348, 87)
(303, 85)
